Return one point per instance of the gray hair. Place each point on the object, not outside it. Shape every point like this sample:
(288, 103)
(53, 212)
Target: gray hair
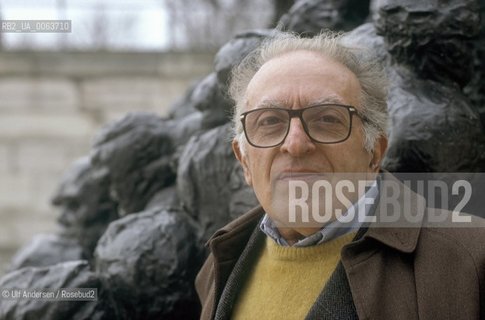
(361, 61)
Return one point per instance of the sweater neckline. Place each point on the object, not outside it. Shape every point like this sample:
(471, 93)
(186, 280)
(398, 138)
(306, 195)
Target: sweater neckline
(289, 253)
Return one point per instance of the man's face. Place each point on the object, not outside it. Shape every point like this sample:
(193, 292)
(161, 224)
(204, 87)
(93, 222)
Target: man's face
(297, 80)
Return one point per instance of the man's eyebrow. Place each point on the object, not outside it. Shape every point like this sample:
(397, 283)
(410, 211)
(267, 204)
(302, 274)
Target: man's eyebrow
(329, 99)
(270, 104)
(282, 104)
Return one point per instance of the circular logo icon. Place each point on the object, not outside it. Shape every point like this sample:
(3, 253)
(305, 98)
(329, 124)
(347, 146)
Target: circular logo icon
(5, 293)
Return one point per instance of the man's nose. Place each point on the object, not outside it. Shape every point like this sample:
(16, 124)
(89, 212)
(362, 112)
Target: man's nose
(297, 142)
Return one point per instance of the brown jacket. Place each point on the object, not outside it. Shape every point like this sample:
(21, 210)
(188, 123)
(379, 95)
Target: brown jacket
(416, 272)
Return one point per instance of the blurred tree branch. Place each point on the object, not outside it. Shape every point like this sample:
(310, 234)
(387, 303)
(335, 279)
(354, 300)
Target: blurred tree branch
(208, 24)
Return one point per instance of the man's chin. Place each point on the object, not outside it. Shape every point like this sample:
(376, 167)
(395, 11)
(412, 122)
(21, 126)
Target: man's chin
(308, 201)
(303, 228)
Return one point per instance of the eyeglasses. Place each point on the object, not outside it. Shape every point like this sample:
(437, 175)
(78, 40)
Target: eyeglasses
(325, 123)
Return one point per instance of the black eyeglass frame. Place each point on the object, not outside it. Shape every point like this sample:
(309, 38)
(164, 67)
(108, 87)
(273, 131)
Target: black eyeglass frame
(299, 114)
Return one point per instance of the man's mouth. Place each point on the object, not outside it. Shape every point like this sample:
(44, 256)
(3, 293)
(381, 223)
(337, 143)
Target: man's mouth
(299, 175)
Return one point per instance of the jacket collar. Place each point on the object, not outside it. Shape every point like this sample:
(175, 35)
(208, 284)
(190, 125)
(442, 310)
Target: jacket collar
(228, 242)
(403, 234)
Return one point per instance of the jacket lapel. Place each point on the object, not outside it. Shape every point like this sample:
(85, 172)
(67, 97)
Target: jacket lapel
(226, 246)
(335, 301)
(379, 266)
(239, 274)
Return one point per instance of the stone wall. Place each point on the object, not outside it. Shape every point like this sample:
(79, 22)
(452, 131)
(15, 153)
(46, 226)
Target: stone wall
(51, 106)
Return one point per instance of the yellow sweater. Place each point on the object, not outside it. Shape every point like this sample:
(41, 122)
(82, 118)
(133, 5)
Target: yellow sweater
(286, 281)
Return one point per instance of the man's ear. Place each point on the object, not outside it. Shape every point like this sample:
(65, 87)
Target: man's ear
(242, 158)
(380, 148)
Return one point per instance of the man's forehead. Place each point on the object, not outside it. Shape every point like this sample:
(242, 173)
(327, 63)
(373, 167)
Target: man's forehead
(300, 65)
(300, 57)
(302, 78)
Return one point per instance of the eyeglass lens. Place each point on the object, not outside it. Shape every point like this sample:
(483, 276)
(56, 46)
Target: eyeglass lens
(325, 124)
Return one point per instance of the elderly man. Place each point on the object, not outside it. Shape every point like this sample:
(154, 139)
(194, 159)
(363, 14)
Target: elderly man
(308, 109)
